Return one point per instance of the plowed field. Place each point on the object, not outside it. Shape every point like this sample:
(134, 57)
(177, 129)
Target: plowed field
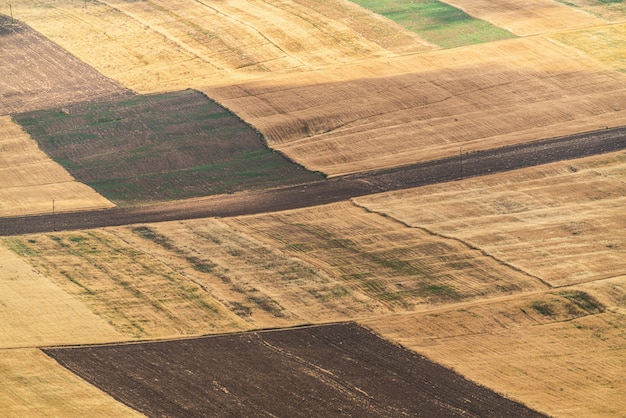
(335, 370)
(36, 73)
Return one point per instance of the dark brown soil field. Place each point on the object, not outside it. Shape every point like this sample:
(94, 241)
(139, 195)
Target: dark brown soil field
(160, 147)
(37, 73)
(335, 189)
(334, 370)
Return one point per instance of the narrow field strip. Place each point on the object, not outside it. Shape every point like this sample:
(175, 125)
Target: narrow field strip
(33, 384)
(529, 17)
(30, 181)
(562, 222)
(439, 22)
(561, 353)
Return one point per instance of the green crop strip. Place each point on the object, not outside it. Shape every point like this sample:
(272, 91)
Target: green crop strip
(437, 22)
(160, 147)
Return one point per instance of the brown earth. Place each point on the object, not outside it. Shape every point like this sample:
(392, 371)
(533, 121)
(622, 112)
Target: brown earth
(37, 73)
(333, 190)
(332, 370)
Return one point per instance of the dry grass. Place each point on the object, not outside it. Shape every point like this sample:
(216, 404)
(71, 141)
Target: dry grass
(171, 45)
(606, 44)
(562, 353)
(255, 281)
(30, 180)
(428, 105)
(35, 385)
(562, 222)
(139, 296)
(529, 17)
(35, 311)
(612, 10)
(400, 268)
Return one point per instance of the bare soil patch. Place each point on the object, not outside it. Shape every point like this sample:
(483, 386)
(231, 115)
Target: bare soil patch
(334, 370)
(37, 73)
(160, 147)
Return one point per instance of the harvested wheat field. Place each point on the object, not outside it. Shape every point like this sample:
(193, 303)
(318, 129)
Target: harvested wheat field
(30, 180)
(139, 296)
(562, 222)
(562, 352)
(605, 44)
(530, 17)
(428, 105)
(34, 385)
(171, 45)
(36, 73)
(399, 267)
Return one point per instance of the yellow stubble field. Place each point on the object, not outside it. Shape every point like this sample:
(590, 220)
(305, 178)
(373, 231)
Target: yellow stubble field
(427, 105)
(530, 17)
(562, 222)
(169, 45)
(562, 352)
(30, 180)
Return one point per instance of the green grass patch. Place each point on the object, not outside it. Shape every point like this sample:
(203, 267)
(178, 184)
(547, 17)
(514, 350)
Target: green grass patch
(160, 147)
(437, 22)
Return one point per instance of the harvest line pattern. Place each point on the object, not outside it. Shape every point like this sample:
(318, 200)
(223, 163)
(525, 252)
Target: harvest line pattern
(335, 189)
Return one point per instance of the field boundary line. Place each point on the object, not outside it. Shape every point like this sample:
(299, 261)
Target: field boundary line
(459, 240)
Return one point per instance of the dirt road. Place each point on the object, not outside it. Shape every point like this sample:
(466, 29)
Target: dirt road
(335, 189)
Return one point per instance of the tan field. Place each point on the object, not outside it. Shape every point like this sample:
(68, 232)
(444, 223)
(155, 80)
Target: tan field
(171, 45)
(30, 180)
(34, 385)
(562, 222)
(531, 17)
(428, 105)
(419, 282)
(559, 352)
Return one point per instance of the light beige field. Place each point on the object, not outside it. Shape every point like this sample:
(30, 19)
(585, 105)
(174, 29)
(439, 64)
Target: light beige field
(557, 352)
(34, 385)
(563, 222)
(422, 107)
(529, 17)
(34, 311)
(614, 11)
(606, 44)
(30, 180)
(169, 45)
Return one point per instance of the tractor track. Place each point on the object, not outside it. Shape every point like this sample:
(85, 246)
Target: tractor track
(472, 164)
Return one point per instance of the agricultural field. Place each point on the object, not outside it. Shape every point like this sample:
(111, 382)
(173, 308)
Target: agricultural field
(512, 285)
(438, 22)
(562, 222)
(36, 73)
(337, 370)
(159, 147)
(31, 183)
